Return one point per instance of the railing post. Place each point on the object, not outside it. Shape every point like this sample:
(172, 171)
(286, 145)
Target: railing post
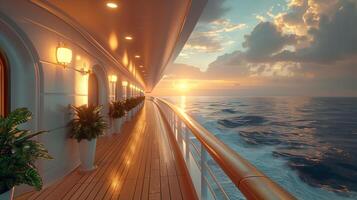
(173, 121)
(170, 113)
(179, 133)
(187, 145)
(176, 127)
(204, 172)
(229, 161)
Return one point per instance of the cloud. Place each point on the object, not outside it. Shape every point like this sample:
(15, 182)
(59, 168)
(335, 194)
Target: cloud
(183, 71)
(311, 49)
(229, 66)
(227, 77)
(266, 39)
(208, 38)
(237, 65)
(334, 39)
(304, 14)
(214, 10)
(260, 18)
(225, 26)
(296, 12)
(203, 42)
(234, 66)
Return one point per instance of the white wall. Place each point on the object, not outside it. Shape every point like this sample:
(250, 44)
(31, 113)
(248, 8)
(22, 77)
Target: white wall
(51, 88)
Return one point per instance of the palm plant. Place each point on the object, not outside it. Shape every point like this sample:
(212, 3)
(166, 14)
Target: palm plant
(18, 152)
(133, 102)
(128, 104)
(88, 123)
(116, 109)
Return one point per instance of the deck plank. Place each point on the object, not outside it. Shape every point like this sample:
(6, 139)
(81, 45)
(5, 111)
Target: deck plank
(142, 162)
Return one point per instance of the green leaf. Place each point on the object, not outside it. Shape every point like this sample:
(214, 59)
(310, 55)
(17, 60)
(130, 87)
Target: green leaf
(18, 152)
(33, 178)
(84, 125)
(27, 137)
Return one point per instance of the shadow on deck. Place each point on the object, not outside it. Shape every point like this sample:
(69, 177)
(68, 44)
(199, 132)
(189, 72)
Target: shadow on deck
(141, 162)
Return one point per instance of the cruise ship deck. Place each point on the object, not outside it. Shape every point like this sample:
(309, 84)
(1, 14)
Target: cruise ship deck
(141, 162)
(56, 55)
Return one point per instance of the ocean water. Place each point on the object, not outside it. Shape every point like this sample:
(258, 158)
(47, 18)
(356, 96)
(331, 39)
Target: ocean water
(307, 145)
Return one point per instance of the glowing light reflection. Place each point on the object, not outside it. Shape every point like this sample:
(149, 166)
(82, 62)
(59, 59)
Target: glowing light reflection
(183, 103)
(125, 59)
(113, 41)
(112, 5)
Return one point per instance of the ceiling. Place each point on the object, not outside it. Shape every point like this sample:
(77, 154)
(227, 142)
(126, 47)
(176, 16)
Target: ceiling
(154, 25)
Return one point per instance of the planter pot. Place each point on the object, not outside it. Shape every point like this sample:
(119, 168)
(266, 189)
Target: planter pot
(134, 111)
(87, 154)
(117, 124)
(112, 126)
(9, 195)
(129, 115)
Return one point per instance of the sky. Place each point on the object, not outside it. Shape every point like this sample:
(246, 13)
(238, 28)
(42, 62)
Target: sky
(268, 48)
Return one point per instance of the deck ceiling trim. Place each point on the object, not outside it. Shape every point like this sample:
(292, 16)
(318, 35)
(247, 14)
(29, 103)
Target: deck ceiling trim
(157, 28)
(86, 35)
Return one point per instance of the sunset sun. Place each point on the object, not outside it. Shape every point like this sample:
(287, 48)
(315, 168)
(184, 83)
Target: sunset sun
(222, 99)
(182, 86)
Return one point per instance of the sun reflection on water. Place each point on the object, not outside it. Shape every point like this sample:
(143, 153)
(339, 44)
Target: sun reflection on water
(183, 102)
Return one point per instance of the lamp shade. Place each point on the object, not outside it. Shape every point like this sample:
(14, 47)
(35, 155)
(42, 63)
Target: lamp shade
(64, 55)
(124, 83)
(113, 78)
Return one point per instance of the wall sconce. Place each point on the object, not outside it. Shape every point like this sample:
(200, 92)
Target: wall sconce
(64, 56)
(124, 83)
(113, 78)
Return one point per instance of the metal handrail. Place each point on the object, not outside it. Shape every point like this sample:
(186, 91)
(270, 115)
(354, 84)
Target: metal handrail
(248, 179)
(209, 172)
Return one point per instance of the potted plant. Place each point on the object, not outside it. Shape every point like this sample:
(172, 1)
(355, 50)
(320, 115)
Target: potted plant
(18, 153)
(116, 112)
(137, 102)
(86, 126)
(128, 107)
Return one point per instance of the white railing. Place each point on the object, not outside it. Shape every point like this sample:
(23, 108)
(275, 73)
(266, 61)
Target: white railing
(217, 172)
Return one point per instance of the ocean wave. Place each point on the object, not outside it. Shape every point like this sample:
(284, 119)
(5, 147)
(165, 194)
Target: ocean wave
(307, 145)
(329, 172)
(229, 110)
(235, 122)
(260, 138)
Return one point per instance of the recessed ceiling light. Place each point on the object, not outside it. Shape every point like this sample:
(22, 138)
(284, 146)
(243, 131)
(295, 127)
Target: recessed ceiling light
(112, 5)
(128, 38)
(137, 56)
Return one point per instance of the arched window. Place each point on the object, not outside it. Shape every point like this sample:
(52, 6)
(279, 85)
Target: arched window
(93, 90)
(3, 87)
(119, 92)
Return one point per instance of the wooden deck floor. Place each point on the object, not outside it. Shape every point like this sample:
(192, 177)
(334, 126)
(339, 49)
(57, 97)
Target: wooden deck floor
(142, 162)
